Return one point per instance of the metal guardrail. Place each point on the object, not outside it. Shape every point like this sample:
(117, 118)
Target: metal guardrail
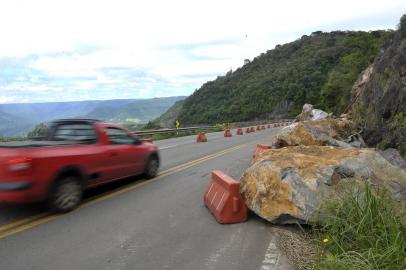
(231, 125)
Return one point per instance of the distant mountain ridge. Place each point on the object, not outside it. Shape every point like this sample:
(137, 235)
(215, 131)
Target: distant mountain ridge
(142, 110)
(11, 124)
(19, 118)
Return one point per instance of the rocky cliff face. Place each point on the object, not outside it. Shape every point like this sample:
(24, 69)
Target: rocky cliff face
(379, 95)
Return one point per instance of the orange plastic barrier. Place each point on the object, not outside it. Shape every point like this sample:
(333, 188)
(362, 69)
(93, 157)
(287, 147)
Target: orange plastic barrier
(261, 148)
(248, 130)
(227, 133)
(240, 131)
(258, 128)
(252, 129)
(201, 137)
(224, 200)
(269, 126)
(263, 127)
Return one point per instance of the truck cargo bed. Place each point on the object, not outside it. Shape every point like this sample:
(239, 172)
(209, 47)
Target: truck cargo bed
(30, 144)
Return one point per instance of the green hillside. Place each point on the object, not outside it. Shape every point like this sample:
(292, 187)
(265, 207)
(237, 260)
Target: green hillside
(318, 69)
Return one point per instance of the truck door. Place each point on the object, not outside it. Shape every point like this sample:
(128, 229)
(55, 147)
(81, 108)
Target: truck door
(123, 156)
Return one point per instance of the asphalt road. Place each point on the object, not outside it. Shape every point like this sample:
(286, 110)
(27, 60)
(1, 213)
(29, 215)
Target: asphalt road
(148, 224)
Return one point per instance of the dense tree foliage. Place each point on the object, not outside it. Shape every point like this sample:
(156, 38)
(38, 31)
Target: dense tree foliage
(318, 69)
(335, 93)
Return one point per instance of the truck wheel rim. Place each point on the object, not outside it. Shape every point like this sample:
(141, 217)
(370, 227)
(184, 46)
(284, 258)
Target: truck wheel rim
(68, 195)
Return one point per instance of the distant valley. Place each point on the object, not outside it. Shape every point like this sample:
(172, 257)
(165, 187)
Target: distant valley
(18, 119)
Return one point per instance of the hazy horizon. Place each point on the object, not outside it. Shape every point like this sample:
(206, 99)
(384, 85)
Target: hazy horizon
(91, 100)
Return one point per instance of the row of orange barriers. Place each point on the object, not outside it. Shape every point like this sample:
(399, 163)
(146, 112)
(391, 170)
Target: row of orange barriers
(201, 137)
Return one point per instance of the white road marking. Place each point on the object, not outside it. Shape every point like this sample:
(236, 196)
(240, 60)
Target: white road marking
(271, 260)
(167, 147)
(215, 260)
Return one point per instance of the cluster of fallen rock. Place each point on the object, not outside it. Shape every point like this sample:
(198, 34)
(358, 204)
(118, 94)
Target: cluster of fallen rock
(311, 161)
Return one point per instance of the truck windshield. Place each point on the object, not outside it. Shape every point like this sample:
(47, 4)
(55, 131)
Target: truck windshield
(75, 132)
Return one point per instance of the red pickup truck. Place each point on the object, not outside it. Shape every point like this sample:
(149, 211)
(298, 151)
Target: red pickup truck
(77, 154)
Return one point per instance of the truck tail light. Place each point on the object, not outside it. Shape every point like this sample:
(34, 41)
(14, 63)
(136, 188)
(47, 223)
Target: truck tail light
(20, 164)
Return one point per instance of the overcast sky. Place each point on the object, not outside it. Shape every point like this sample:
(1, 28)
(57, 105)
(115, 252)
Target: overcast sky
(80, 50)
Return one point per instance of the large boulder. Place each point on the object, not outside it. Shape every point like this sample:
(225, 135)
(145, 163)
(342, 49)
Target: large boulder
(288, 185)
(320, 132)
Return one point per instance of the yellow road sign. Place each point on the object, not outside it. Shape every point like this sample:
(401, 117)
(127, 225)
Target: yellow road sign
(177, 124)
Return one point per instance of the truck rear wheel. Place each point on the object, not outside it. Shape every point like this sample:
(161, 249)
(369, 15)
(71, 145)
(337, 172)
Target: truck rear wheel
(66, 194)
(151, 167)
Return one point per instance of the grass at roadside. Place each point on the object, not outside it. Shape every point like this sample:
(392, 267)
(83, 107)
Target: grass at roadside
(362, 230)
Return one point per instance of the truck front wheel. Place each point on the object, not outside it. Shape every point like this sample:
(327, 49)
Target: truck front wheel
(66, 194)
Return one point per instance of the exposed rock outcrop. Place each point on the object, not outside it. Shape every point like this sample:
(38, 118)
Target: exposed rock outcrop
(379, 95)
(281, 110)
(289, 184)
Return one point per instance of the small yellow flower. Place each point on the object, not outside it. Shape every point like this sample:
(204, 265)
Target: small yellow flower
(326, 240)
